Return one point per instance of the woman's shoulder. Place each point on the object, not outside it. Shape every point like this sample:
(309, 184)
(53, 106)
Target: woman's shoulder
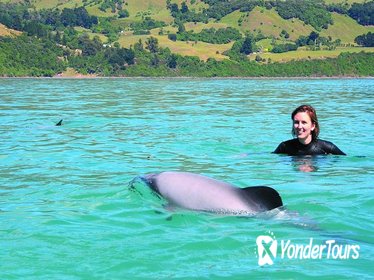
(285, 147)
(329, 147)
(325, 143)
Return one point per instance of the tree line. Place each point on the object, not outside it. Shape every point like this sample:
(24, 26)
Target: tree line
(39, 57)
(16, 16)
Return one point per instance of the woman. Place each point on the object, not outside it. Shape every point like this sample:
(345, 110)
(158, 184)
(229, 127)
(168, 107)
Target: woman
(306, 130)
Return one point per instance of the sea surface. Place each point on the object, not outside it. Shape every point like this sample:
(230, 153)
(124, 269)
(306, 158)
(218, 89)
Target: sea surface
(66, 210)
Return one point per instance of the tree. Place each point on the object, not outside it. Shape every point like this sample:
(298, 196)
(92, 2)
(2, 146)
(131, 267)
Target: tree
(138, 46)
(184, 8)
(284, 48)
(68, 17)
(77, 17)
(284, 34)
(366, 40)
(152, 44)
(310, 12)
(302, 41)
(173, 8)
(34, 28)
(155, 60)
(89, 47)
(118, 57)
(247, 46)
(181, 28)
(363, 13)
(127, 55)
(313, 38)
(172, 61)
(123, 14)
(172, 37)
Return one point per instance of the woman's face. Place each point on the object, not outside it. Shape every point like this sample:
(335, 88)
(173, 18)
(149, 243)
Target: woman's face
(303, 127)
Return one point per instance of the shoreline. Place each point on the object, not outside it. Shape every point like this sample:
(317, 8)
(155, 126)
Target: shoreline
(83, 77)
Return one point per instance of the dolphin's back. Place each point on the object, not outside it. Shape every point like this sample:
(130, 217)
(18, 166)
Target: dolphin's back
(197, 192)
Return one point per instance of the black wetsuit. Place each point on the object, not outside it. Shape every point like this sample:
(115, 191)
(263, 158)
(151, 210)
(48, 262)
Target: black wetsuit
(293, 147)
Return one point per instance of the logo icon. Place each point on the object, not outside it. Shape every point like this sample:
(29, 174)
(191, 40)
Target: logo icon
(266, 249)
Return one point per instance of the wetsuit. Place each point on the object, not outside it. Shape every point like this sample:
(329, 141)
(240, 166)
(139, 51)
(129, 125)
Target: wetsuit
(293, 147)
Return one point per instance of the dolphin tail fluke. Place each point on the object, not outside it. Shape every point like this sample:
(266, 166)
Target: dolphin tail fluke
(265, 197)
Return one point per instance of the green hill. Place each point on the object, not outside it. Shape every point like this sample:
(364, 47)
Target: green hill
(324, 29)
(260, 19)
(345, 28)
(268, 22)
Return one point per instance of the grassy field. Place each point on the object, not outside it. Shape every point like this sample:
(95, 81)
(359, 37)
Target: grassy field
(197, 27)
(102, 37)
(156, 9)
(199, 49)
(266, 44)
(268, 22)
(271, 24)
(345, 29)
(49, 4)
(5, 31)
(307, 54)
(344, 1)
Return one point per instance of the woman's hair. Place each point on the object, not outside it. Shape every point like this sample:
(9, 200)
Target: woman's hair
(313, 116)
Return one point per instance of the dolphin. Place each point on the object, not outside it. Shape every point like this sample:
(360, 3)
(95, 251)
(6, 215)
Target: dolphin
(59, 123)
(197, 192)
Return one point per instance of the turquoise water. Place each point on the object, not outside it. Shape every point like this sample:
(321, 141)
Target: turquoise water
(66, 211)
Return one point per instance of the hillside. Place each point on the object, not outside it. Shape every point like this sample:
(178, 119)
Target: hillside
(345, 28)
(260, 20)
(261, 31)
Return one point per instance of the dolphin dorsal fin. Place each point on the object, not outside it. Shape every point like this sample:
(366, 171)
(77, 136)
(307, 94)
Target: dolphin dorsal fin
(265, 197)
